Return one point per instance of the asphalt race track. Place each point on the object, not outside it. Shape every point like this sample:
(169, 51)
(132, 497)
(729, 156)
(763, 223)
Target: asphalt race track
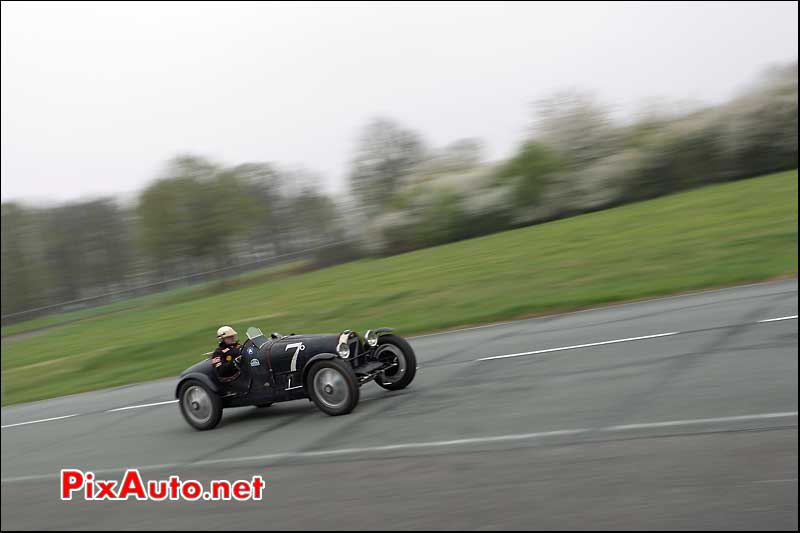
(672, 413)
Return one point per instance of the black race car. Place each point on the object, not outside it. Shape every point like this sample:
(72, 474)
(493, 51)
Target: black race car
(326, 369)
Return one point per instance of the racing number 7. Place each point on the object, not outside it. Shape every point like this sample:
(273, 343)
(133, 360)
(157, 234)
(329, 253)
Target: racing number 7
(298, 347)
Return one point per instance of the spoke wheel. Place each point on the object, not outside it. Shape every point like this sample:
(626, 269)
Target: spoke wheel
(201, 407)
(333, 387)
(395, 351)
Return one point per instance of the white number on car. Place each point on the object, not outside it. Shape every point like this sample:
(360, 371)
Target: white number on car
(298, 347)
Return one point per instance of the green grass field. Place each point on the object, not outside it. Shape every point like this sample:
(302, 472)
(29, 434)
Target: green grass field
(719, 235)
(159, 299)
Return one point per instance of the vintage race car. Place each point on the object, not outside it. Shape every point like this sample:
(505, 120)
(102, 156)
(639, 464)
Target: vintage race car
(326, 369)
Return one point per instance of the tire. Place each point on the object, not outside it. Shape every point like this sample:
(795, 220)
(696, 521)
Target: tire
(200, 407)
(332, 385)
(399, 349)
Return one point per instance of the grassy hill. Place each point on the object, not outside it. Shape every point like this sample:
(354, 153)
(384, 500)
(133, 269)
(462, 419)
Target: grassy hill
(719, 235)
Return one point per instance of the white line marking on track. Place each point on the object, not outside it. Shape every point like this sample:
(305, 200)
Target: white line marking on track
(139, 406)
(603, 307)
(792, 317)
(393, 447)
(576, 346)
(700, 421)
(422, 445)
(37, 421)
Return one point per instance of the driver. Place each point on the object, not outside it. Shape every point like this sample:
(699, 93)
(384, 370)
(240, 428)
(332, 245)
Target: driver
(227, 356)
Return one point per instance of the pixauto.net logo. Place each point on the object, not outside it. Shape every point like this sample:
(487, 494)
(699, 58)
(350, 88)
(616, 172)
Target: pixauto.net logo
(85, 485)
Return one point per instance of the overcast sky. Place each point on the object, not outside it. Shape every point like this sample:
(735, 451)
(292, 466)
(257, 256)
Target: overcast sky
(96, 97)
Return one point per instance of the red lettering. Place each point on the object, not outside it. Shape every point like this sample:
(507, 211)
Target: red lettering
(89, 486)
(258, 485)
(132, 485)
(71, 480)
(221, 487)
(191, 490)
(174, 485)
(157, 489)
(241, 490)
(106, 491)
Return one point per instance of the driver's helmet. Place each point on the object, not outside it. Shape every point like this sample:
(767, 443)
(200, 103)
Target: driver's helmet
(225, 331)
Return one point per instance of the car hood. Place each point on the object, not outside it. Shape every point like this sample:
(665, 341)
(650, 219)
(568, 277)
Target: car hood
(321, 342)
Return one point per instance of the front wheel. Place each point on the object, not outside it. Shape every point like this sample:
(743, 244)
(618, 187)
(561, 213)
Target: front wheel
(396, 350)
(333, 387)
(201, 407)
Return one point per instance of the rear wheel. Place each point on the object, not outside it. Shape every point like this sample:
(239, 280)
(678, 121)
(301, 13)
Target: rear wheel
(200, 407)
(333, 387)
(396, 350)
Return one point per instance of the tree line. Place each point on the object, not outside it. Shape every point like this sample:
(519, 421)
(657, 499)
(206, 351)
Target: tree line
(402, 194)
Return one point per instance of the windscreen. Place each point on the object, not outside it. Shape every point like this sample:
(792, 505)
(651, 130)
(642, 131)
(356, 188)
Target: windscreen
(253, 333)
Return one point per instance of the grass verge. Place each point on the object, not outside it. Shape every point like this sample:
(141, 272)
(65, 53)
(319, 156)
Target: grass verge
(719, 235)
